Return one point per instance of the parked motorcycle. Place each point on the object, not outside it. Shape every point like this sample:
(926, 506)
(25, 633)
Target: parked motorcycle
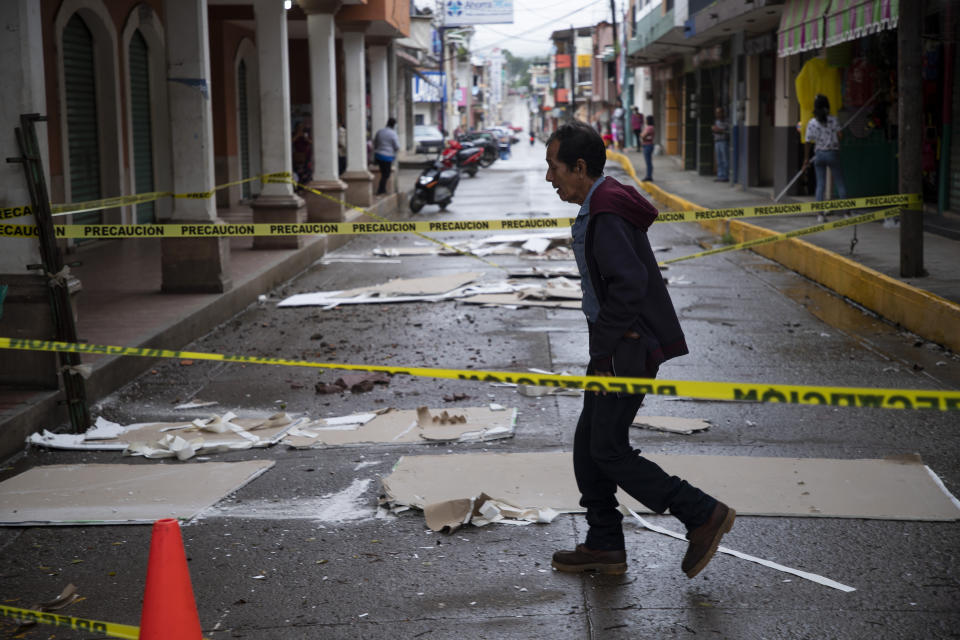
(485, 140)
(436, 185)
(464, 156)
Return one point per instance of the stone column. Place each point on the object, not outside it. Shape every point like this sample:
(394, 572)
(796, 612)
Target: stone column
(323, 96)
(397, 101)
(26, 305)
(191, 265)
(379, 87)
(380, 108)
(359, 180)
(276, 203)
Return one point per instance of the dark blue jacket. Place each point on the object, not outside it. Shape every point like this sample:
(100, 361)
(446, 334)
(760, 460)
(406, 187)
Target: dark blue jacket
(632, 294)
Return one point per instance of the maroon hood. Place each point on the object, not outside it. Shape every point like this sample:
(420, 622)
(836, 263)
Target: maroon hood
(623, 200)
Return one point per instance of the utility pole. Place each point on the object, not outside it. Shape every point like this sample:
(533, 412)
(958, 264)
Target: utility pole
(443, 80)
(909, 135)
(613, 17)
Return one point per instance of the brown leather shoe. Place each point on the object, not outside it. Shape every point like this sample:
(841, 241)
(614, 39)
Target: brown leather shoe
(585, 559)
(705, 539)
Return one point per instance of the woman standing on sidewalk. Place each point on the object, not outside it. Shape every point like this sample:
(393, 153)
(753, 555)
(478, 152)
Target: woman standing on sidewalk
(636, 125)
(647, 139)
(823, 132)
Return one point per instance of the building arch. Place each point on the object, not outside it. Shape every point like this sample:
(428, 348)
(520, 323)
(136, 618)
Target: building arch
(143, 27)
(92, 152)
(247, 81)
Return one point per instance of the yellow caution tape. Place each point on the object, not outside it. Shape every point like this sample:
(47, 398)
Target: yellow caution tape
(903, 200)
(206, 230)
(139, 198)
(908, 201)
(29, 616)
(846, 222)
(791, 394)
(527, 224)
(386, 221)
(382, 226)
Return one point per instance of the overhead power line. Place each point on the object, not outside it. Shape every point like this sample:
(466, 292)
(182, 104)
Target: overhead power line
(538, 27)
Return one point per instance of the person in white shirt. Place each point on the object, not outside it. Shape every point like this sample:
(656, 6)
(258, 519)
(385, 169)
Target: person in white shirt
(823, 134)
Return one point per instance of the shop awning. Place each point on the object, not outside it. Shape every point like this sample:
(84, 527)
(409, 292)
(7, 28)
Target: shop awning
(853, 19)
(801, 26)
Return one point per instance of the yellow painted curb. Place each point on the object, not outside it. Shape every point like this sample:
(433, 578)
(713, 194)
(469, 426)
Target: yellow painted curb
(924, 313)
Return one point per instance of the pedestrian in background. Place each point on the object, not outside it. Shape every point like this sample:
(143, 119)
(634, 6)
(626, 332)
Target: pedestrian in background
(636, 125)
(386, 144)
(607, 138)
(616, 125)
(721, 144)
(633, 328)
(302, 148)
(647, 139)
(823, 134)
(341, 147)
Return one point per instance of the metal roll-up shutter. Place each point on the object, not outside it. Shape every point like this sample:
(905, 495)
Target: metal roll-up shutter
(141, 124)
(954, 176)
(244, 127)
(81, 100)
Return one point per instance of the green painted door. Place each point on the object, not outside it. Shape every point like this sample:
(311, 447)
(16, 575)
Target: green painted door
(141, 124)
(81, 101)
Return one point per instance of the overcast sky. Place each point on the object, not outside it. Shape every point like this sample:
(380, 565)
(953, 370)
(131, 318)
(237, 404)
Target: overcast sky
(534, 21)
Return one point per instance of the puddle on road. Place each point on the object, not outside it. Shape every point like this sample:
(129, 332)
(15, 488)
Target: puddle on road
(835, 311)
(766, 266)
(906, 349)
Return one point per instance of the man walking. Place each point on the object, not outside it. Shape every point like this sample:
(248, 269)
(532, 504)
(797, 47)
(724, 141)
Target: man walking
(633, 328)
(721, 144)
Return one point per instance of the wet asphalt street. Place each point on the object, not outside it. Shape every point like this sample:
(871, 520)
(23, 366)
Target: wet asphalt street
(327, 567)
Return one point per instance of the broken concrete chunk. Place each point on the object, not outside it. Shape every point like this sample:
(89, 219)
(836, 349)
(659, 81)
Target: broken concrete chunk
(409, 426)
(671, 424)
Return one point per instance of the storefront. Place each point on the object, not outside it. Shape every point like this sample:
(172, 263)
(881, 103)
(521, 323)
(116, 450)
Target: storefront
(848, 52)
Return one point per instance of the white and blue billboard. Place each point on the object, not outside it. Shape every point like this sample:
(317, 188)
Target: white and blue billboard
(428, 86)
(458, 13)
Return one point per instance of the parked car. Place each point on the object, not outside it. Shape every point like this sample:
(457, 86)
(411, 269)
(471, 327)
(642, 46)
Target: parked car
(428, 139)
(504, 135)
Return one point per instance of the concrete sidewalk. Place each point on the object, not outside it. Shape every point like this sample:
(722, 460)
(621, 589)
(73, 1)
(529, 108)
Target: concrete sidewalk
(121, 304)
(860, 263)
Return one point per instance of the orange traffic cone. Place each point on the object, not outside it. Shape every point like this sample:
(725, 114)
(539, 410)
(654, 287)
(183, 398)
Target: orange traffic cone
(169, 609)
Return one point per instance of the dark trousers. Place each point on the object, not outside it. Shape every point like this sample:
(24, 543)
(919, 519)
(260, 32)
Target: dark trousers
(604, 460)
(636, 134)
(648, 158)
(384, 175)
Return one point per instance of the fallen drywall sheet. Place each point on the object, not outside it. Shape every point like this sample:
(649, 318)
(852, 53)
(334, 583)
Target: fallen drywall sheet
(671, 424)
(544, 272)
(517, 300)
(87, 494)
(405, 426)
(550, 292)
(426, 286)
(549, 244)
(553, 292)
(430, 289)
(891, 489)
(174, 439)
(420, 250)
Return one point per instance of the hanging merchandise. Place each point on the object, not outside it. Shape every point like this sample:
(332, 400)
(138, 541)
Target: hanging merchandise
(817, 77)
